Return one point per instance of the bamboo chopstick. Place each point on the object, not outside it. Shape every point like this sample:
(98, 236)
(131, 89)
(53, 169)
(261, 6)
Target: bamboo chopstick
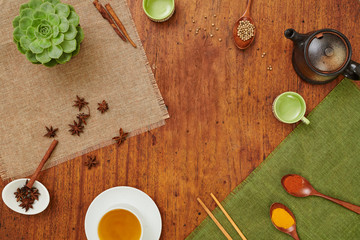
(214, 219)
(228, 217)
(119, 23)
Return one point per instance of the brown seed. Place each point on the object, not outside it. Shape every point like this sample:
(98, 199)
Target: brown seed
(217, 29)
(189, 30)
(211, 35)
(213, 24)
(193, 21)
(205, 17)
(205, 29)
(214, 15)
(220, 39)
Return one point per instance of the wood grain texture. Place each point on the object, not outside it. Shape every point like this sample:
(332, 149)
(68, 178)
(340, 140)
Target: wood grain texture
(221, 126)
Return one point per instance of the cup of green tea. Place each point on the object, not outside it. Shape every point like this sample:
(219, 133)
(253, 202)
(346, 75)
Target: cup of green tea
(290, 107)
(159, 10)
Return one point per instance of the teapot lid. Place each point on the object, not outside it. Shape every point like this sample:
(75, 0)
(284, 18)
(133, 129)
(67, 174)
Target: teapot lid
(328, 52)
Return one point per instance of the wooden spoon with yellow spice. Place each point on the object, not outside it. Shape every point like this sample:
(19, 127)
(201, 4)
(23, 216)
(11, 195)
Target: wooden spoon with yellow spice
(283, 219)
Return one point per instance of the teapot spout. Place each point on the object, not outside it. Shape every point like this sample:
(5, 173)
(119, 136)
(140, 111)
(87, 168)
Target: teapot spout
(294, 36)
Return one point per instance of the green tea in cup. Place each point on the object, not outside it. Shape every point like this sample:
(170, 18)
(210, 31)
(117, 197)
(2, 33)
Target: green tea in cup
(290, 107)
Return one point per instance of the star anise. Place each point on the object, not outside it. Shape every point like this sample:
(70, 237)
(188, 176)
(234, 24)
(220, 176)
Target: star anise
(51, 132)
(77, 128)
(27, 203)
(80, 102)
(91, 162)
(19, 195)
(121, 138)
(34, 193)
(82, 117)
(103, 106)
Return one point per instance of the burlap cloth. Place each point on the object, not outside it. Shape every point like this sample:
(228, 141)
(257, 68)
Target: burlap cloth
(34, 96)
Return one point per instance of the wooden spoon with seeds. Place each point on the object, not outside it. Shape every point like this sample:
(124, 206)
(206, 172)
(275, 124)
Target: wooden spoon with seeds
(246, 16)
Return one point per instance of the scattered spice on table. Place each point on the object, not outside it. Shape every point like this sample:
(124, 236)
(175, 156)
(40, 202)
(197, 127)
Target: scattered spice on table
(82, 117)
(76, 128)
(26, 196)
(103, 106)
(51, 132)
(269, 68)
(293, 183)
(281, 218)
(245, 30)
(91, 162)
(263, 54)
(80, 102)
(121, 138)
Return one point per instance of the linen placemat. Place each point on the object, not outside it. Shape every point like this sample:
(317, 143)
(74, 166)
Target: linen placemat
(34, 96)
(326, 152)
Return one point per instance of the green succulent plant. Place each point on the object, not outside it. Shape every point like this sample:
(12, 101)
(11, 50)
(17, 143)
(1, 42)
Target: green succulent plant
(47, 32)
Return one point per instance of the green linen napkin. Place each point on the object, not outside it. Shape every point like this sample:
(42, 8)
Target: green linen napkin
(327, 153)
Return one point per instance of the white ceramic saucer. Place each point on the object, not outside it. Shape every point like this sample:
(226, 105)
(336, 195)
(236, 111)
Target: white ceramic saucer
(10, 200)
(120, 196)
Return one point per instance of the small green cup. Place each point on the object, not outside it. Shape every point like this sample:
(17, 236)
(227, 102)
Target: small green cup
(290, 107)
(159, 10)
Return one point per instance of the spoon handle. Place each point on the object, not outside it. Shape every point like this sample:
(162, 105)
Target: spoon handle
(347, 205)
(294, 235)
(247, 11)
(42, 163)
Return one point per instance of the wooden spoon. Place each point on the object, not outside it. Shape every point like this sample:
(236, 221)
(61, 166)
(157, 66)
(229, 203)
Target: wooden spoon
(246, 16)
(42, 163)
(305, 189)
(291, 230)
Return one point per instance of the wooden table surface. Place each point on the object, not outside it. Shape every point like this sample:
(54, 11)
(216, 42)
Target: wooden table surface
(219, 99)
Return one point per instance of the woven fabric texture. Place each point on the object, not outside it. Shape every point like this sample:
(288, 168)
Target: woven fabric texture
(326, 152)
(34, 96)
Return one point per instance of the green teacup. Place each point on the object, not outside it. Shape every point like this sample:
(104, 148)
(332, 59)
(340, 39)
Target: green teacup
(159, 10)
(290, 107)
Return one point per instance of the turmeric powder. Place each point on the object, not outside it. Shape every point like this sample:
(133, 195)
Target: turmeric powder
(281, 218)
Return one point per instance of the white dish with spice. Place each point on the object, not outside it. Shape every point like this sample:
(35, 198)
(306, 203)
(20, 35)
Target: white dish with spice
(39, 205)
(116, 198)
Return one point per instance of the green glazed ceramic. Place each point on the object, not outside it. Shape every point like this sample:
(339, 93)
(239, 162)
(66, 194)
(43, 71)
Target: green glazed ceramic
(290, 107)
(159, 10)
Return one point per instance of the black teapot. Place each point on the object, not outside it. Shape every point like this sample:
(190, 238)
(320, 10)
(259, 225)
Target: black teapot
(321, 56)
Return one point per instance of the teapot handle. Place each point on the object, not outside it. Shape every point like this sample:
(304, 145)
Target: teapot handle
(352, 71)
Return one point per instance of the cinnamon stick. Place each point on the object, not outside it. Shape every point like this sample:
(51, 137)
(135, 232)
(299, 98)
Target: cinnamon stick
(106, 15)
(119, 23)
(42, 163)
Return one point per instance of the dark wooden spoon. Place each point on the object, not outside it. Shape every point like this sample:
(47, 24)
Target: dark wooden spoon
(246, 16)
(305, 189)
(291, 230)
